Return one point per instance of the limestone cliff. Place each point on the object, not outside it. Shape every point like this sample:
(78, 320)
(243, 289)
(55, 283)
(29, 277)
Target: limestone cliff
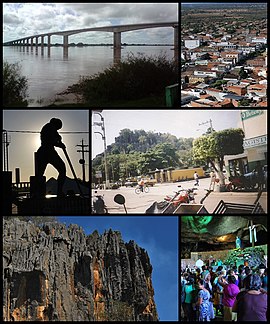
(59, 274)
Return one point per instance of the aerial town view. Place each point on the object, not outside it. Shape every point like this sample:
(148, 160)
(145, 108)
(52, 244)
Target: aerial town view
(224, 54)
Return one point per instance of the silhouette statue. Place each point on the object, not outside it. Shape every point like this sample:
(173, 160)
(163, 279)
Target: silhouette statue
(47, 154)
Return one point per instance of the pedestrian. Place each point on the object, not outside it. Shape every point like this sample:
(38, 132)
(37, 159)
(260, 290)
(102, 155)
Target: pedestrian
(251, 304)
(260, 176)
(212, 180)
(196, 178)
(47, 154)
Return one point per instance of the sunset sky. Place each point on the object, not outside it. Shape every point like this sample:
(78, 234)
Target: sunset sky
(23, 145)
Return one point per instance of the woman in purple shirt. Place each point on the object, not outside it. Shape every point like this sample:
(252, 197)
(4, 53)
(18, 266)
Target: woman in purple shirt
(251, 304)
(230, 291)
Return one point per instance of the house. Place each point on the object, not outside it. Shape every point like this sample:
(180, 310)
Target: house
(238, 89)
(258, 89)
(192, 43)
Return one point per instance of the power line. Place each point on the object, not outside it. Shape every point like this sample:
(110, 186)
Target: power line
(38, 132)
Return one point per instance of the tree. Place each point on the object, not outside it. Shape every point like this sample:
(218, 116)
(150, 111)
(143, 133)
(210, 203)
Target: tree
(14, 86)
(243, 102)
(242, 73)
(212, 148)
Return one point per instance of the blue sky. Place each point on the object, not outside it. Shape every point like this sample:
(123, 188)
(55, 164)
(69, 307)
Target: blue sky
(28, 19)
(159, 237)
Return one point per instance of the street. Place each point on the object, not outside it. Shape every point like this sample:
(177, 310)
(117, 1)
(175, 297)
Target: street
(137, 204)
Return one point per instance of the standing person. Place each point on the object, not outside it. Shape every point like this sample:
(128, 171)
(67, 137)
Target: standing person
(264, 280)
(196, 178)
(189, 299)
(260, 176)
(47, 154)
(203, 302)
(230, 291)
(251, 304)
(212, 180)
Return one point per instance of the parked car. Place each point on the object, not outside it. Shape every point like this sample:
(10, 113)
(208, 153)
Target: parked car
(131, 183)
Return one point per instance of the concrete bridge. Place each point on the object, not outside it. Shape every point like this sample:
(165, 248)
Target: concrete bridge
(116, 30)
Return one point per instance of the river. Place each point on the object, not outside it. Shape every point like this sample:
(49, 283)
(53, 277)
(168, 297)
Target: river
(49, 75)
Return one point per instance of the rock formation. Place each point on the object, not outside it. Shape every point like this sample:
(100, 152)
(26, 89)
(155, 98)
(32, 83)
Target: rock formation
(57, 273)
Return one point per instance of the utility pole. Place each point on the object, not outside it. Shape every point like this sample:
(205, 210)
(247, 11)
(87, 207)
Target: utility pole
(5, 142)
(82, 160)
(208, 122)
(102, 125)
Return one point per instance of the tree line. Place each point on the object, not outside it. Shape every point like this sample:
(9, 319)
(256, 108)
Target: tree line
(138, 152)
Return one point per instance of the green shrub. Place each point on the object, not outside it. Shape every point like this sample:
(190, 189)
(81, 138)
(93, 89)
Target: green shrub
(134, 78)
(14, 86)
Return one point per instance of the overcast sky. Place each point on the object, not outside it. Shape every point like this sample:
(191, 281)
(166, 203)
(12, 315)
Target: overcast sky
(181, 123)
(159, 237)
(27, 19)
(23, 145)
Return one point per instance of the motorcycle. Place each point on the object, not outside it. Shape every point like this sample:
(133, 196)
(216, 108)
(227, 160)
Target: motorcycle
(240, 182)
(170, 203)
(98, 205)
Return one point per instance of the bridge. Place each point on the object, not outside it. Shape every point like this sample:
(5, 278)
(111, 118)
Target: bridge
(116, 30)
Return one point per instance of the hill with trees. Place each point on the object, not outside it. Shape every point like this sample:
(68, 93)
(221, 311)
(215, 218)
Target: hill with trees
(138, 152)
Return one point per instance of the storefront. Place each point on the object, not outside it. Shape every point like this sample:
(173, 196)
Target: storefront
(254, 124)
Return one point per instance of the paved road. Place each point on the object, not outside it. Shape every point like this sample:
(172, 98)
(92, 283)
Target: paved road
(139, 203)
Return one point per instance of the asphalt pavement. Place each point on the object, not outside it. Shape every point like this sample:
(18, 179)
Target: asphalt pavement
(137, 204)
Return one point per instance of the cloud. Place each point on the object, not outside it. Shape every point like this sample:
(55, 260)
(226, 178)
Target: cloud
(11, 19)
(35, 18)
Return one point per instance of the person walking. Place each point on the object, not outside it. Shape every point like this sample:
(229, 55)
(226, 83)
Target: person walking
(47, 154)
(251, 304)
(212, 180)
(196, 178)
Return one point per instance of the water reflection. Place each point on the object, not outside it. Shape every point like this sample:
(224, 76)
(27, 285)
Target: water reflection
(53, 72)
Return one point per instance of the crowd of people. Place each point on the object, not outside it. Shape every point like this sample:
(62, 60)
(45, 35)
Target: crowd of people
(220, 293)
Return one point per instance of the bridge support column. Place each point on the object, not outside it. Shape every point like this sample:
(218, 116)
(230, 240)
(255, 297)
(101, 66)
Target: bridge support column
(65, 40)
(32, 41)
(49, 45)
(42, 45)
(116, 47)
(36, 41)
(176, 43)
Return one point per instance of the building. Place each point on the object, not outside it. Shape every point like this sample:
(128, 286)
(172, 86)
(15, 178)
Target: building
(238, 89)
(257, 89)
(192, 43)
(200, 73)
(254, 124)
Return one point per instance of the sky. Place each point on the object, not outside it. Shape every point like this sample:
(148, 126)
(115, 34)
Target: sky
(23, 145)
(181, 123)
(28, 19)
(159, 237)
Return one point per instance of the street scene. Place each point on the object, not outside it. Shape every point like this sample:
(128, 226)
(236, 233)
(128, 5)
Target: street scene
(179, 162)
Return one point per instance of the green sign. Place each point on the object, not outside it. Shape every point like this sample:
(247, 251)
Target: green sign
(250, 113)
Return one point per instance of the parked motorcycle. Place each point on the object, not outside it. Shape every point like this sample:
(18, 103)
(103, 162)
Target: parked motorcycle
(98, 205)
(170, 203)
(240, 182)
